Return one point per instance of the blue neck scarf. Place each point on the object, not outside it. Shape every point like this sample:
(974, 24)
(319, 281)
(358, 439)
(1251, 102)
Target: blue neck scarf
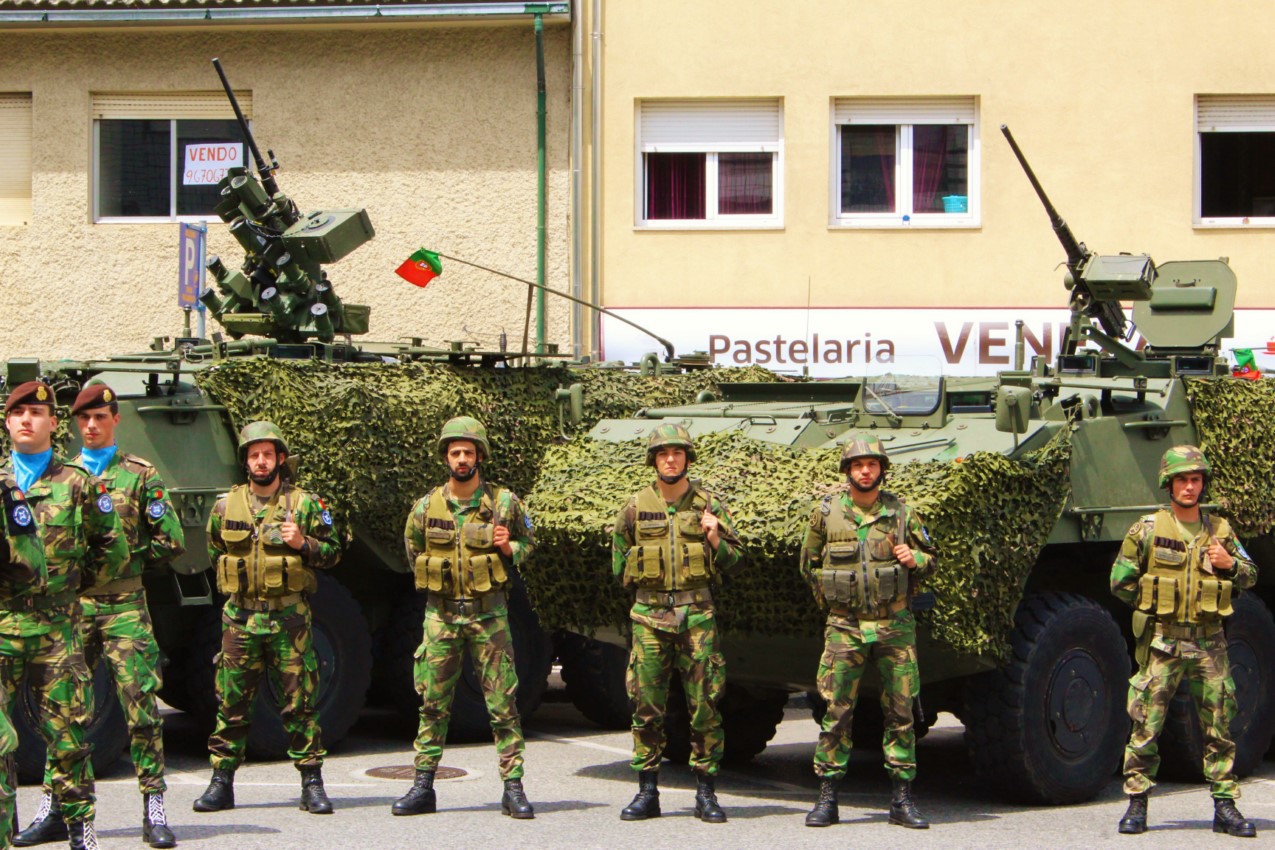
(29, 468)
(97, 459)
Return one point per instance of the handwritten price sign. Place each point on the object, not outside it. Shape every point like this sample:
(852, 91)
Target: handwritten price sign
(206, 162)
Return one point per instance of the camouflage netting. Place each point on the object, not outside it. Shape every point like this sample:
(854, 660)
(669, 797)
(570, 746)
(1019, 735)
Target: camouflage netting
(365, 433)
(1235, 421)
(988, 515)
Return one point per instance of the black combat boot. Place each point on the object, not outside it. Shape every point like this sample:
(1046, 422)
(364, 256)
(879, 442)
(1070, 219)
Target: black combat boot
(825, 811)
(420, 800)
(83, 836)
(514, 801)
(1227, 818)
(313, 798)
(155, 831)
(903, 810)
(706, 808)
(220, 794)
(47, 826)
(1134, 821)
(647, 802)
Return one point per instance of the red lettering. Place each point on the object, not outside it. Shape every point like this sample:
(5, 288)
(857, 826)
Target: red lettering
(986, 342)
(953, 355)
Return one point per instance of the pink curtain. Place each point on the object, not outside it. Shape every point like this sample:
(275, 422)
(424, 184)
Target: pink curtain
(745, 183)
(675, 185)
(929, 157)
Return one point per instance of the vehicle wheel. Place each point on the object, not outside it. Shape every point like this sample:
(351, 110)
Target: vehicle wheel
(107, 731)
(1050, 726)
(750, 717)
(594, 673)
(1250, 639)
(533, 656)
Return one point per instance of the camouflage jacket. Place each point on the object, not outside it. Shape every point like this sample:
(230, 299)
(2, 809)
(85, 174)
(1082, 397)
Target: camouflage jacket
(151, 526)
(322, 549)
(1135, 557)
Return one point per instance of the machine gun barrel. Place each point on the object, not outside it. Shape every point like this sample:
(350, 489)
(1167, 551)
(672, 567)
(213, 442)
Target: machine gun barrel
(1077, 253)
(265, 169)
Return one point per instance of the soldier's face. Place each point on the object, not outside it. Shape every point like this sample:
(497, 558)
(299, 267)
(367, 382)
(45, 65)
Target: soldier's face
(670, 461)
(263, 461)
(462, 459)
(97, 427)
(865, 472)
(1186, 489)
(31, 427)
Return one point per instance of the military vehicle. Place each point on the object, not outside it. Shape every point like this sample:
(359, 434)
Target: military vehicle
(1047, 724)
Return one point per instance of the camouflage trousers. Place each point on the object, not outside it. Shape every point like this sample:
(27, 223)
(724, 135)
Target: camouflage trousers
(119, 630)
(278, 644)
(1204, 664)
(437, 666)
(848, 646)
(694, 654)
(53, 665)
(8, 773)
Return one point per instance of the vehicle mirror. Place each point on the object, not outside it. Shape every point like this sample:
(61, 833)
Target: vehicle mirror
(1013, 409)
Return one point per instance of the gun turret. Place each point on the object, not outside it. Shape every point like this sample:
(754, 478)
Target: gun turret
(1098, 283)
(276, 290)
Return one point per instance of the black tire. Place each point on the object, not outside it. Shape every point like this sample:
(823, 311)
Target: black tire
(533, 656)
(750, 717)
(1050, 726)
(1250, 637)
(594, 673)
(343, 644)
(107, 732)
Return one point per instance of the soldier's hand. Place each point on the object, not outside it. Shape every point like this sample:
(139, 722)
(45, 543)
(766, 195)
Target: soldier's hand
(500, 539)
(903, 553)
(291, 533)
(1219, 557)
(709, 524)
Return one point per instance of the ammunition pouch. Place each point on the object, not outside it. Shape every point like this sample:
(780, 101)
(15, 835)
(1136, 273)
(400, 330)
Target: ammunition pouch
(264, 576)
(1212, 599)
(1157, 595)
(1142, 634)
(429, 572)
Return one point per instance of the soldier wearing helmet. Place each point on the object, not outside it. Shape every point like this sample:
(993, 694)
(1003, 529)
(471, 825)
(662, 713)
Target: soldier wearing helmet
(865, 551)
(266, 539)
(1179, 568)
(671, 540)
(464, 540)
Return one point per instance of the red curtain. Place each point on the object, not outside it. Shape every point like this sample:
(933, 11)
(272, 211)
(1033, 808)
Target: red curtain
(675, 185)
(929, 158)
(745, 183)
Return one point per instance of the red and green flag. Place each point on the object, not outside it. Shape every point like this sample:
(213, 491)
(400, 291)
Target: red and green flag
(1245, 365)
(420, 268)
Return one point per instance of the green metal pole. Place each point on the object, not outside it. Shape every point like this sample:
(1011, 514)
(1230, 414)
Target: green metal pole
(540, 183)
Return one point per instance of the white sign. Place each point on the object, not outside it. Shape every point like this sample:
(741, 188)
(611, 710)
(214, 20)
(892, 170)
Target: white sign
(834, 342)
(206, 162)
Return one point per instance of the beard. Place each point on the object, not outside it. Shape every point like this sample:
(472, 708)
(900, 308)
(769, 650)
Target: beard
(462, 477)
(672, 479)
(264, 479)
(868, 489)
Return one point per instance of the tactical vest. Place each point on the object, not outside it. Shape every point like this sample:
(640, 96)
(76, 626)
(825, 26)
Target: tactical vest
(1175, 588)
(257, 563)
(669, 553)
(460, 562)
(863, 576)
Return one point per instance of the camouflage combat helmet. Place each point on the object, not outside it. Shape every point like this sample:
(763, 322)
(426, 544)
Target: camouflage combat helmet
(256, 432)
(1182, 459)
(464, 428)
(864, 446)
(669, 434)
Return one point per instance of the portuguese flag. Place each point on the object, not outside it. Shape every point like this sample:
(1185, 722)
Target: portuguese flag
(420, 268)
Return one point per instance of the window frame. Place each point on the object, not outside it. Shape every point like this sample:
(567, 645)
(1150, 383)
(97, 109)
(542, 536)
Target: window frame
(713, 220)
(1234, 113)
(904, 114)
(17, 211)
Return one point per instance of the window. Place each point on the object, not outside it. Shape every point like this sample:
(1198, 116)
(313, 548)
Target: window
(710, 163)
(160, 157)
(905, 161)
(15, 159)
(1235, 138)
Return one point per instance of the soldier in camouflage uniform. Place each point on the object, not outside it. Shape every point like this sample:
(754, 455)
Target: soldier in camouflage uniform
(22, 572)
(1178, 568)
(265, 539)
(864, 553)
(670, 540)
(39, 632)
(463, 541)
(116, 624)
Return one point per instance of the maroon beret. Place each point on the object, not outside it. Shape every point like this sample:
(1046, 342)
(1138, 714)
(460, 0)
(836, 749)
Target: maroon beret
(94, 395)
(32, 392)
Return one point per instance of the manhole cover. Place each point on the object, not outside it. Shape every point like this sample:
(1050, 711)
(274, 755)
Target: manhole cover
(408, 772)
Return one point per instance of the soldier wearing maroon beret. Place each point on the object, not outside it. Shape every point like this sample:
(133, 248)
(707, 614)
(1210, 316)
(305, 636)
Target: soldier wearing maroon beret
(32, 392)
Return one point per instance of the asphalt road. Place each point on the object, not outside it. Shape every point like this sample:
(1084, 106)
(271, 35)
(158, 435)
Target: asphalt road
(578, 778)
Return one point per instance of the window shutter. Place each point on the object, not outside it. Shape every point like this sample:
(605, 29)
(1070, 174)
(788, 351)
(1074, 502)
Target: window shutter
(1234, 113)
(169, 105)
(904, 110)
(15, 159)
(710, 125)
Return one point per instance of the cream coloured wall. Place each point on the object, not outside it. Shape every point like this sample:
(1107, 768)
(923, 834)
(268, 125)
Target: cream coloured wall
(1100, 95)
(431, 129)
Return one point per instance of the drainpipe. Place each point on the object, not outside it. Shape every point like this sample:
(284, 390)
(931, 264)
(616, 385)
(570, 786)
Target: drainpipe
(577, 149)
(595, 182)
(540, 182)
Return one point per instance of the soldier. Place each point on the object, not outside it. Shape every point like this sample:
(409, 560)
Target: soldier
(39, 631)
(671, 539)
(116, 624)
(463, 540)
(864, 553)
(22, 571)
(1178, 569)
(265, 539)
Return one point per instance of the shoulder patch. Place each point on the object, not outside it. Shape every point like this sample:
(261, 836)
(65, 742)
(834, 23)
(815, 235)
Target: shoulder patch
(104, 503)
(326, 516)
(156, 509)
(526, 520)
(22, 515)
(825, 507)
